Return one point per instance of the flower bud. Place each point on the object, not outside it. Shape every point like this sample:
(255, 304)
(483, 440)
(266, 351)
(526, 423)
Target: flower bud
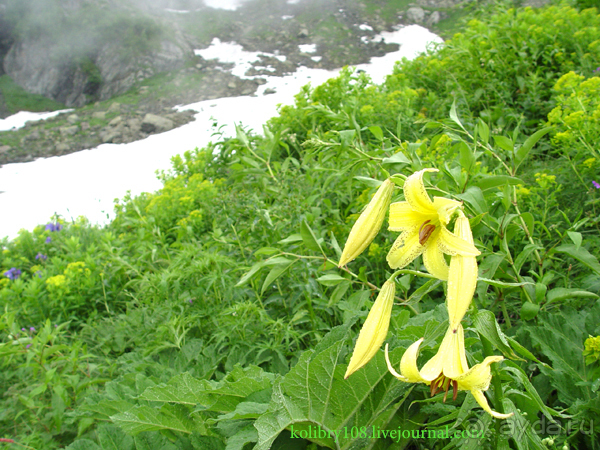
(368, 224)
(374, 329)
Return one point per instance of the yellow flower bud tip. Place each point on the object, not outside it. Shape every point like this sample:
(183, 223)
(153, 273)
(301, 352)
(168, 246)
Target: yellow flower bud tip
(368, 224)
(374, 330)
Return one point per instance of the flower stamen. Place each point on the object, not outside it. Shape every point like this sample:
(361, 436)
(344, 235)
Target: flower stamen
(425, 231)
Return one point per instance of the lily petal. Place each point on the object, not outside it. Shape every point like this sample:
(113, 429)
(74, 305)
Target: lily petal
(480, 397)
(416, 195)
(433, 258)
(452, 245)
(405, 249)
(409, 372)
(445, 207)
(462, 277)
(374, 330)
(403, 217)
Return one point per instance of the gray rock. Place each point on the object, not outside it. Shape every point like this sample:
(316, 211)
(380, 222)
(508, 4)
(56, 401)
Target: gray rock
(115, 122)
(63, 147)
(433, 18)
(108, 136)
(156, 124)
(73, 119)
(115, 107)
(4, 148)
(69, 131)
(85, 126)
(415, 14)
(101, 115)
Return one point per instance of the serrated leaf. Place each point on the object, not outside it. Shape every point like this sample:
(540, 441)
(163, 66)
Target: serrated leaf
(113, 438)
(315, 393)
(222, 396)
(152, 441)
(83, 444)
(146, 418)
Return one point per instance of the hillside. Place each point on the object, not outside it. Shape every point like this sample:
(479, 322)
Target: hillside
(410, 264)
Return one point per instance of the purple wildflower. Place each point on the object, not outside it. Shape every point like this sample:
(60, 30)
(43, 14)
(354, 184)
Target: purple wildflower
(596, 184)
(48, 240)
(23, 329)
(13, 273)
(41, 256)
(32, 329)
(191, 301)
(28, 345)
(54, 226)
(39, 274)
(597, 69)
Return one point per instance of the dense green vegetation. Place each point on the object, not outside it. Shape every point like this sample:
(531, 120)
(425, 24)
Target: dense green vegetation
(18, 99)
(212, 314)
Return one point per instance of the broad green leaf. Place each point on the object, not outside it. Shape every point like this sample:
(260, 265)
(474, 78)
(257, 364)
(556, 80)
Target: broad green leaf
(113, 438)
(523, 151)
(454, 115)
(248, 275)
(474, 197)
(529, 310)
(331, 279)
(581, 255)
(466, 158)
(309, 238)
(525, 437)
(371, 182)
(152, 441)
(266, 251)
(146, 418)
(529, 221)
(241, 135)
(222, 396)
(83, 444)
(314, 393)
(484, 131)
(524, 256)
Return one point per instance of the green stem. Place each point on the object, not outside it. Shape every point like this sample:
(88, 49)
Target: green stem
(498, 394)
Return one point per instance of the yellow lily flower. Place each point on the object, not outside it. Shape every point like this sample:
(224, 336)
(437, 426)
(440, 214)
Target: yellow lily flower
(375, 328)
(368, 224)
(423, 225)
(448, 368)
(462, 276)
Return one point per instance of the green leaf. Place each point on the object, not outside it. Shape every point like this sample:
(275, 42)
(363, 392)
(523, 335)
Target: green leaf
(474, 197)
(376, 132)
(524, 256)
(526, 438)
(222, 396)
(504, 143)
(291, 239)
(113, 438)
(146, 418)
(241, 135)
(576, 238)
(493, 181)
(484, 131)
(83, 444)
(454, 115)
(370, 182)
(248, 275)
(152, 441)
(503, 283)
(486, 324)
(396, 158)
(581, 255)
(331, 279)
(275, 273)
(338, 293)
(522, 153)
(529, 310)
(560, 294)
(314, 393)
(309, 238)
(529, 221)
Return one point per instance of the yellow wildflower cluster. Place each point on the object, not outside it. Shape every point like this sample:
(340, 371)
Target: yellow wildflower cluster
(545, 180)
(57, 281)
(592, 349)
(423, 227)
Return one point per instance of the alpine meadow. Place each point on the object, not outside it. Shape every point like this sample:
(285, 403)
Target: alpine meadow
(405, 265)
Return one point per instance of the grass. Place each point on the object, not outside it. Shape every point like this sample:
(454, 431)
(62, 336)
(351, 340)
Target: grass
(18, 99)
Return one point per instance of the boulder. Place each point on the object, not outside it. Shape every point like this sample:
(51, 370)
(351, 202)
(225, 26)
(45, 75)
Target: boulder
(156, 124)
(415, 14)
(69, 131)
(101, 115)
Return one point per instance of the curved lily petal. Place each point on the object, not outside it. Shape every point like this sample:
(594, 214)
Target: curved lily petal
(434, 261)
(403, 217)
(462, 277)
(374, 330)
(368, 224)
(445, 207)
(416, 195)
(480, 397)
(452, 245)
(408, 364)
(405, 249)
